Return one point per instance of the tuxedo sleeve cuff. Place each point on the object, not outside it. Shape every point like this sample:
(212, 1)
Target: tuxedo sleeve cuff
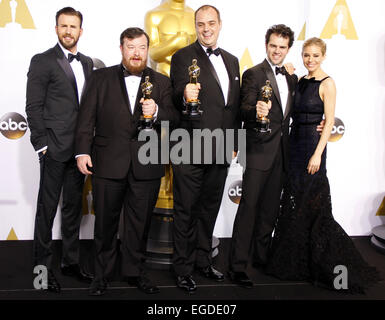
(82, 154)
(42, 149)
(156, 112)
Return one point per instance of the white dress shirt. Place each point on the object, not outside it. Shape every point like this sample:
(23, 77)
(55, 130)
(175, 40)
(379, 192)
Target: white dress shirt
(132, 86)
(282, 86)
(220, 69)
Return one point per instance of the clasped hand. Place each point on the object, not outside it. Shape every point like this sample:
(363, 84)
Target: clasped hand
(263, 108)
(148, 107)
(191, 91)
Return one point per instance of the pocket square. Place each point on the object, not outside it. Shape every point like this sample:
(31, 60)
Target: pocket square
(236, 78)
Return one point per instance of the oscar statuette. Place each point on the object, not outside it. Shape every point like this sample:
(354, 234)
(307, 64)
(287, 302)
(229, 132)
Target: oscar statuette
(146, 122)
(192, 106)
(262, 122)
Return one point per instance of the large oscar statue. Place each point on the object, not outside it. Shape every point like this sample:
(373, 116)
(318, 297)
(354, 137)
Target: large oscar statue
(170, 27)
(378, 232)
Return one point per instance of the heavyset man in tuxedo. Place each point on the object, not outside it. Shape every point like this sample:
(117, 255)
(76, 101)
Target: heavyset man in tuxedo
(107, 147)
(266, 154)
(55, 84)
(198, 188)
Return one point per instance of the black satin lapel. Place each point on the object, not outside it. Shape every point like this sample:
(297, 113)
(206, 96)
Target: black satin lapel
(230, 74)
(204, 62)
(87, 69)
(291, 86)
(123, 87)
(65, 65)
(139, 94)
(273, 82)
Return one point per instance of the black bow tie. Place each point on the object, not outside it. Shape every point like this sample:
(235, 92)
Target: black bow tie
(280, 70)
(71, 57)
(126, 73)
(210, 51)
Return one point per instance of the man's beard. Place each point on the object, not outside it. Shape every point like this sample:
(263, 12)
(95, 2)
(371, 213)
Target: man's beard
(66, 46)
(135, 70)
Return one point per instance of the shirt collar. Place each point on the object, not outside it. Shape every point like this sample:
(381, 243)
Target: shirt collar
(205, 48)
(273, 65)
(65, 51)
(129, 74)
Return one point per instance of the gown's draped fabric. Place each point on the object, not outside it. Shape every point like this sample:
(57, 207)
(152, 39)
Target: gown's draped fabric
(308, 243)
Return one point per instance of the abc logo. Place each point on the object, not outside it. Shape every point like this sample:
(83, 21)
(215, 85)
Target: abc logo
(13, 125)
(337, 131)
(235, 191)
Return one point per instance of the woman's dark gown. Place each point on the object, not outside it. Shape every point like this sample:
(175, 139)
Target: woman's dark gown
(308, 243)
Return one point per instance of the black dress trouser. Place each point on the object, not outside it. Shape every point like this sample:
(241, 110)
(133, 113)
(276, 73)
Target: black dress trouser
(138, 199)
(256, 215)
(55, 177)
(198, 191)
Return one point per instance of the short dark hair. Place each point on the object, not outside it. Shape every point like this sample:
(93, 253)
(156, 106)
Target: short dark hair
(280, 30)
(205, 7)
(70, 12)
(133, 33)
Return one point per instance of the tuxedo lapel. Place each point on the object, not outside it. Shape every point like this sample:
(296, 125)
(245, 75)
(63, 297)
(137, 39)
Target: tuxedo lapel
(230, 74)
(65, 65)
(205, 63)
(87, 69)
(123, 88)
(139, 94)
(270, 76)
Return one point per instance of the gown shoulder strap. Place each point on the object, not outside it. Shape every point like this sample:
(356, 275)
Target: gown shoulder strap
(324, 78)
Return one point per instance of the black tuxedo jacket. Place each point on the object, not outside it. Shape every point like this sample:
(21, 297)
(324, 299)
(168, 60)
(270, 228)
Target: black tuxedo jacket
(261, 148)
(107, 130)
(52, 103)
(215, 113)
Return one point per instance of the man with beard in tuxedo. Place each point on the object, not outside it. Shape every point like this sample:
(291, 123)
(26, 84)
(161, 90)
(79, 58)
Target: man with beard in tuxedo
(107, 147)
(55, 83)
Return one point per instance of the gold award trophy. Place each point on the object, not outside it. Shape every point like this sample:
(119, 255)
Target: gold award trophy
(170, 27)
(262, 122)
(146, 122)
(192, 106)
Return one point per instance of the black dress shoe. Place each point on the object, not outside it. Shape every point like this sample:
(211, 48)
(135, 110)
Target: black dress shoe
(211, 273)
(241, 279)
(98, 288)
(53, 284)
(143, 284)
(74, 270)
(259, 266)
(186, 283)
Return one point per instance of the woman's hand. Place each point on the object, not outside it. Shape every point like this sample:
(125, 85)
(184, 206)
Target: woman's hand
(314, 164)
(289, 68)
